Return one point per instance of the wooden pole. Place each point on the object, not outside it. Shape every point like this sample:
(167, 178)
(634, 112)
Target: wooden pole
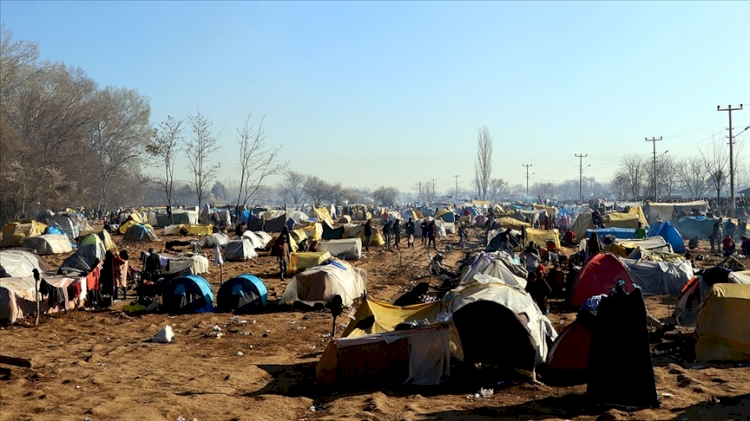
(36, 295)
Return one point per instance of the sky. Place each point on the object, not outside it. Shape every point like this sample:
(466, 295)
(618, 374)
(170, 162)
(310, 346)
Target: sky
(373, 94)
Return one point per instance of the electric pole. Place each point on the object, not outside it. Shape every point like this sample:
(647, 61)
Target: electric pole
(433, 188)
(455, 198)
(654, 140)
(580, 175)
(527, 177)
(731, 155)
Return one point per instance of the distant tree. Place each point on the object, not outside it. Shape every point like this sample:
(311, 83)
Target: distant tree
(257, 161)
(497, 187)
(632, 173)
(386, 195)
(200, 147)
(544, 190)
(316, 189)
(483, 164)
(716, 165)
(666, 170)
(619, 186)
(166, 144)
(219, 191)
(291, 185)
(692, 177)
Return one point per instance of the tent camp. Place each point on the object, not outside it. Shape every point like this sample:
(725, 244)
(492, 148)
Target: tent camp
(237, 250)
(299, 261)
(569, 355)
(667, 231)
(692, 226)
(140, 232)
(48, 244)
(188, 294)
(598, 276)
(69, 223)
(621, 220)
(621, 233)
(584, 221)
(259, 239)
(276, 224)
(379, 317)
(321, 283)
(659, 277)
(15, 233)
(625, 247)
(487, 307)
(179, 217)
(664, 211)
(722, 329)
(541, 237)
(242, 294)
(183, 264)
(44, 216)
(17, 296)
(20, 263)
(331, 233)
(497, 265)
(103, 235)
(213, 240)
(347, 248)
(512, 223)
(89, 249)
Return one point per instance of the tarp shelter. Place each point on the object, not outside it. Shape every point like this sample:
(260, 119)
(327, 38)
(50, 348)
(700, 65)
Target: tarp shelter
(541, 237)
(48, 244)
(213, 240)
(17, 296)
(659, 277)
(140, 232)
(344, 219)
(583, 222)
(512, 223)
(569, 355)
(179, 217)
(741, 277)
(15, 233)
(297, 216)
(497, 265)
(197, 230)
(637, 210)
(665, 210)
(242, 294)
(375, 240)
(379, 317)
(347, 248)
(409, 213)
(67, 222)
(276, 224)
(419, 357)
(44, 216)
(656, 243)
(667, 231)
(183, 264)
(487, 307)
(20, 263)
(621, 220)
(188, 294)
(300, 261)
(692, 226)
(331, 233)
(237, 250)
(722, 329)
(321, 214)
(447, 215)
(598, 276)
(89, 249)
(103, 235)
(321, 283)
(259, 239)
(621, 233)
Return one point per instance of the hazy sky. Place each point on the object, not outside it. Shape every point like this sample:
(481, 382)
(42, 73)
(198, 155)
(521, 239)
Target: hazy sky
(391, 93)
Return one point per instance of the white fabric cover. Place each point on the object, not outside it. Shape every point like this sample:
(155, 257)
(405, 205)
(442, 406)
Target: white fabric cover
(497, 265)
(347, 248)
(742, 277)
(258, 239)
(215, 239)
(320, 284)
(18, 263)
(48, 244)
(659, 277)
(239, 250)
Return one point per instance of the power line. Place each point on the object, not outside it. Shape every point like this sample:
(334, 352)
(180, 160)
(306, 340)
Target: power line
(731, 154)
(654, 140)
(527, 177)
(580, 175)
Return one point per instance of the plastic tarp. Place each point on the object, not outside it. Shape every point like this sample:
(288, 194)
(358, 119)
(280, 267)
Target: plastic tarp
(213, 240)
(497, 265)
(48, 244)
(239, 250)
(321, 283)
(140, 232)
(17, 297)
(692, 226)
(622, 233)
(16, 232)
(45, 216)
(599, 275)
(69, 223)
(583, 222)
(722, 329)
(197, 230)
(621, 220)
(185, 264)
(541, 237)
(665, 210)
(512, 223)
(305, 260)
(385, 317)
(259, 239)
(347, 248)
(20, 264)
(669, 233)
(297, 216)
(637, 210)
(409, 213)
(488, 288)
(659, 277)
(657, 243)
(179, 216)
(742, 277)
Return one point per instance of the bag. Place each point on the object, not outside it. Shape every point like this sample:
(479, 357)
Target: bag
(164, 336)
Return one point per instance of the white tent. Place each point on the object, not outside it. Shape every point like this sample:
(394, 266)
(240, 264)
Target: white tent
(320, 284)
(18, 264)
(213, 240)
(239, 250)
(498, 265)
(347, 248)
(48, 244)
(70, 224)
(259, 239)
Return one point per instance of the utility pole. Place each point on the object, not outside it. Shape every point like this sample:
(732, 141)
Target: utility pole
(580, 175)
(731, 155)
(455, 198)
(654, 140)
(433, 188)
(527, 177)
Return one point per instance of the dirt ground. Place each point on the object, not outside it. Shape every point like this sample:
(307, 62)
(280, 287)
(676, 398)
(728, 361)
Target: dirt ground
(98, 365)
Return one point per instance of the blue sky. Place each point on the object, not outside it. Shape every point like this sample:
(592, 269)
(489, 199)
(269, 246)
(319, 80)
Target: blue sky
(391, 93)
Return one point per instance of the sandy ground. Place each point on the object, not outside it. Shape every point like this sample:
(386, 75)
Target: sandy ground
(99, 365)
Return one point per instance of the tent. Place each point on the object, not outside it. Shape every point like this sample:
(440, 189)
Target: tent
(183, 264)
(103, 235)
(409, 213)
(692, 226)
(669, 233)
(188, 294)
(512, 223)
(321, 214)
(239, 250)
(447, 215)
(621, 233)
(598, 276)
(584, 221)
(89, 249)
(67, 222)
(213, 240)
(16, 232)
(321, 283)
(497, 265)
(259, 239)
(242, 294)
(140, 232)
(379, 317)
(418, 356)
(20, 263)
(722, 330)
(297, 216)
(541, 237)
(665, 210)
(622, 220)
(569, 355)
(197, 230)
(657, 243)
(347, 248)
(276, 224)
(741, 277)
(44, 216)
(659, 277)
(17, 296)
(48, 244)
(637, 210)
(179, 217)
(300, 261)
(487, 307)
(330, 233)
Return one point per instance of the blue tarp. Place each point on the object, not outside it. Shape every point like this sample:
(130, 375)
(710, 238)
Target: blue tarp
(669, 233)
(691, 226)
(55, 229)
(622, 233)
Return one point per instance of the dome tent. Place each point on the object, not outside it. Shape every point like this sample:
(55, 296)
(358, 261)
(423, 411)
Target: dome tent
(140, 232)
(90, 249)
(48, 244)
(188, 294)
(243, 294)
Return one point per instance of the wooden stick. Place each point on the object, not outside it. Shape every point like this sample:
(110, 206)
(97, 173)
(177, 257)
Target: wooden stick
(36, 296)
(20, 362)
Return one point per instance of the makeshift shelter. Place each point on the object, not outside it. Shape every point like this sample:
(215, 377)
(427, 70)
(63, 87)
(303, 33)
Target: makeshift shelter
(419, 357)
(179, 217)
(512, 223)
(665, 211)
(695, 226)
(300, 261)
(621, 220)
(741, 277)
(236, 250)
(297, 216)
(598, 276)
(621, 233)
(379, 317)
(44, 216)
(88, 250)
(375, 240)
(15, 233)
(330, 233)
(659, 277)
(637, 210)
(321, 283)
(69, 223)
(667, 231)
(242, 294)
(103, 235)
(17, 296)
(497, 265)
(447, 215)
(183, 264)
(20, 264)
(259, 239)
(584, 221)
(188, 294)
(196, 230)
(410, 213)
(321, 214)
(624, 247)
(48, 244)
(213, 240)
(487, 307)
(569, 356)
(541, 237)
(347, 248)
(140, 232)
(722, 330)
(276, 224)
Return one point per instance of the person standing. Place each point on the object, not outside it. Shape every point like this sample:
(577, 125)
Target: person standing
(387, 230)
(640, 232)
(120, 266)
(716, 235)
(432, 235)
(282, 254)
(424, 226)
(539, 290)
(396, 233)
(410, 230)
(368, 234)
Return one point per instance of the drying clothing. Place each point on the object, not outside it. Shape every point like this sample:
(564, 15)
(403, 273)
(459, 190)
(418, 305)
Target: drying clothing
(120, 267)
(54, 295)
(539, 290)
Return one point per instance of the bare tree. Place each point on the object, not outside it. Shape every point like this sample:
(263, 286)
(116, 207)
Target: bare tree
(386, 195)
(544, 190)
(497, 187)
(317, 189)
(291, 185)
(619, 186)
(257, 160)
(199, 150)
(716, 165)
(632, 172)
(483, 164)
(166, 144)
(692, 177)
(666, 170)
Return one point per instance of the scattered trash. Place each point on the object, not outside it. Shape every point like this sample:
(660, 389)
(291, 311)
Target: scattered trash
(219, 335)
(291, 322)
(301, 328)
(667, 395)
(253, 321)
(476, 396)
(486, 393)
(311, 409)
(101, 364)
(235, 317)
(326, 335)
(242, 321)
(307, 317)
(78, 387)
(240, 353)
(88, 419)
(697, 367)
(164, 336)
(217, 328)
(245, 333)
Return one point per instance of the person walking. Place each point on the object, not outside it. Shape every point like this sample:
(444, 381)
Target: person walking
(424, 226)
(410, 230)
(120, 266)
(640, 232)
(282, 254)
(432, 235)
(387, 230)
(396, 233)
(368, 234)
(716, 235)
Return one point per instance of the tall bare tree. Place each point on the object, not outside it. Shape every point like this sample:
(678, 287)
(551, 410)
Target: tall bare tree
(666, 171)
(257, 162)
(316, 189)
(692, 177)
(166, 144)
(386, 195)
(483, 164)
(291, 185)
(199, 149)
(716, 165)
(632, 171)
(497, 187)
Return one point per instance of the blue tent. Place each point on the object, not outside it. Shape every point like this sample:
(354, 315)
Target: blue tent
(55, 229)
(622, 233)
(243, 294)
(669, 233)
(189, 294)
(692, 226)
